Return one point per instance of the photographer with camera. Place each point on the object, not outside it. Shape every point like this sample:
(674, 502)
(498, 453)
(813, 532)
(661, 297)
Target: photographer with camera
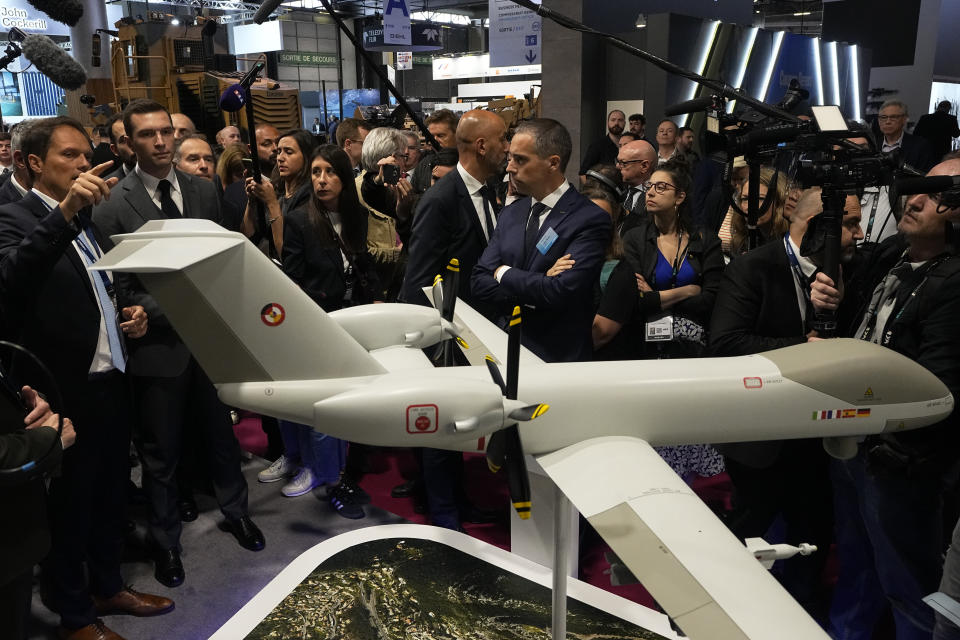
(888, 497)
(381, 187)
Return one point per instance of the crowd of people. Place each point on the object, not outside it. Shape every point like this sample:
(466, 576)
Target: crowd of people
(645, 258)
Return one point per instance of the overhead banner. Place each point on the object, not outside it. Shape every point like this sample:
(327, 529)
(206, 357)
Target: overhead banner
(396, 23)
(462, 67)
(514, 34)
(425, 36)
(20, 14)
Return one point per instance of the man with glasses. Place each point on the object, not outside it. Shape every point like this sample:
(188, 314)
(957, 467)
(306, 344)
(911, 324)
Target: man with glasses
(636, 161)
(351, 133)
(889, 496)
(915, 151)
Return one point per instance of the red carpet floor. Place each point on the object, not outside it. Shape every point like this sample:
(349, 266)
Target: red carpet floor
(390, 467)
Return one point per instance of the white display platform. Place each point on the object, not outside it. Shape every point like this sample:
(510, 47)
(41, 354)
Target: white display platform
(308, 571)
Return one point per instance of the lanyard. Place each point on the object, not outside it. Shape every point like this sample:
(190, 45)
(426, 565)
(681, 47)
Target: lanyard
(92, 252)
(871, 320)
(873, 215)
(677, 261)
(795, 265)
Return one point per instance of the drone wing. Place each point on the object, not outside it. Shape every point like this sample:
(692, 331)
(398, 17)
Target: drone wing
(702, 576)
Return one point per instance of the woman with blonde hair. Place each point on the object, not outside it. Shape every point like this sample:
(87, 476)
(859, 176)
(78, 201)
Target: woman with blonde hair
(230, 164)
(772, 224)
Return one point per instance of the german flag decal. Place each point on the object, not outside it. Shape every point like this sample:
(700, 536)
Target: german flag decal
(272, 314)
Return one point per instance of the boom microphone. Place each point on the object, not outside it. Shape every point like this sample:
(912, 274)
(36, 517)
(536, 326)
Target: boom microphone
(51, 60)
(933, 184)
(268, 7)
(234, 97)
(689, 106)
(66, 11)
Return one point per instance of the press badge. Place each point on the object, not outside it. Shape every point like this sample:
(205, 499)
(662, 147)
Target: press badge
(549, 237)
(660, 330)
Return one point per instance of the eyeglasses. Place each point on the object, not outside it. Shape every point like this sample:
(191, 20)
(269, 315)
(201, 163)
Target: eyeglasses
(659, 187)
(891, 117)
(623, 163)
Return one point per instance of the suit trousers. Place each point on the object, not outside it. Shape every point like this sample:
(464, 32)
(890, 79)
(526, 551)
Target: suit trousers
(889, 540)
(166, 407)
(88, 503)
(15, 598)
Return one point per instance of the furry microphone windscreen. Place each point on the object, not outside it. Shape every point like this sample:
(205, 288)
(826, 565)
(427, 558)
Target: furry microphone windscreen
(53, 62)
(65, 11)
(268, 7)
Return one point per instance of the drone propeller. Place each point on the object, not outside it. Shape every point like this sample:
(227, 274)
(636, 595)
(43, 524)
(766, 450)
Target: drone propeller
(504, 446)
(448, 301)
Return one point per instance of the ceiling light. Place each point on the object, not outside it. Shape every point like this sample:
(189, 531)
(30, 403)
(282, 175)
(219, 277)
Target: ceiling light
(802, 13)
(641, 21)
(175, 22)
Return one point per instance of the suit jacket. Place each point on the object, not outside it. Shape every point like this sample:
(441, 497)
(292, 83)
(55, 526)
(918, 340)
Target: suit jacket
(313, 260)
(937, 128)
(8, 192)
(558, 311)
(756, 310)
(917, 153)
(445, 226)
(160, 352)
(44, 278)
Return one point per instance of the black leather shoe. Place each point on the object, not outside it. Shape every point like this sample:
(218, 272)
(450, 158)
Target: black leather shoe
(188, 508)
(476, 515)
(407, 489)
(247, 534)
(168, 570)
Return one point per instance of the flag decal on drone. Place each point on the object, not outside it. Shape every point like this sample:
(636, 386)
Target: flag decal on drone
(272, 314)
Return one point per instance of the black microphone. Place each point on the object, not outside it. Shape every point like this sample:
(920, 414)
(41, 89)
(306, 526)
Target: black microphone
(12, 53)
(268, 7)
(933, 184)
(529, 5)
(689, 106)
(66, 11)
(51, 60)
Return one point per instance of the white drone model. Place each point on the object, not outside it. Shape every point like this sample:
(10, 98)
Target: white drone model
(359, 374)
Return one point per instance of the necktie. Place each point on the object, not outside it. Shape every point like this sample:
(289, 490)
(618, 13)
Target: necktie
(486, 195)
(107, 304)
(882, 294)
(167, 205)
(631, 197)
(533, 228)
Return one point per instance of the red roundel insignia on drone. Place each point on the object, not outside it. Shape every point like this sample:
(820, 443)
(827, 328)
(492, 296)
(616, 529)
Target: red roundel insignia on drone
(272, 314)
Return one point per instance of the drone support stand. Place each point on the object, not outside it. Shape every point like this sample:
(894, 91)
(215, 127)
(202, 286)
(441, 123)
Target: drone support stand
(561, 532)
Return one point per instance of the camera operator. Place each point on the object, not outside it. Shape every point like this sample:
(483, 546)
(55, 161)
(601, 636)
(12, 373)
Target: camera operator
(27, 543)
(766, 301)
(888, 497)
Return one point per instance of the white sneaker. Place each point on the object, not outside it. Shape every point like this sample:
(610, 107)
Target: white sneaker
(282, 468)
(300, 485)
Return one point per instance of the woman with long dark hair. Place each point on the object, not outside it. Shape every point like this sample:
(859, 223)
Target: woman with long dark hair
(287, 189)
(325, 252)
(662, 292)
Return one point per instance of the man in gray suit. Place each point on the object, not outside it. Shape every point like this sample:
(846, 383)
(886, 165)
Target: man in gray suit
(172, 392)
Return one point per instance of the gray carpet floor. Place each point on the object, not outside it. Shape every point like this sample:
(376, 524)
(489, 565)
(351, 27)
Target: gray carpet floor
(221, 576)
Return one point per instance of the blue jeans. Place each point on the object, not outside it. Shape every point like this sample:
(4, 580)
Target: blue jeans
(950, 585)
(889, 538)
(324, 455)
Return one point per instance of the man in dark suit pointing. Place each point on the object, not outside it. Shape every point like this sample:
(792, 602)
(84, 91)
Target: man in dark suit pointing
(547, 250)
(171, 391)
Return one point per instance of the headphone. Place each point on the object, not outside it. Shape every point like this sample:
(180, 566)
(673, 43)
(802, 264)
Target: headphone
(610, 184)
(11, 404)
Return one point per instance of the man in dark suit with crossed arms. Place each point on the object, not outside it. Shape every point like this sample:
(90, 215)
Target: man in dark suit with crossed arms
(170, 388)
(547, 250)
(47, 243)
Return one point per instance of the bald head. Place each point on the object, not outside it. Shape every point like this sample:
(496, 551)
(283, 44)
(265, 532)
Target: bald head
(481, 143)
(636, 161)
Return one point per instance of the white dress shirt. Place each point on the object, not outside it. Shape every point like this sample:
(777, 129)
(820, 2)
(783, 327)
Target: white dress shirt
(102, 360)
(473, 188)
(151, 184)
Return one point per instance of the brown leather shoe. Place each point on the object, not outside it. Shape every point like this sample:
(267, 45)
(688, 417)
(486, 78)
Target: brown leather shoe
(132, 603)
(95, 631)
